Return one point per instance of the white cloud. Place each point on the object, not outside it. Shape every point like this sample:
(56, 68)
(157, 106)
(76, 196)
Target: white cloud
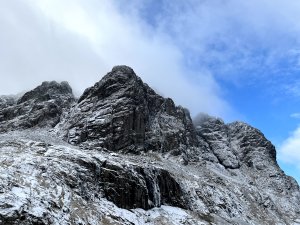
(80, 41)
(181, 52)
(33, 49)
(236, 39)
(295, 115)
(289, 151)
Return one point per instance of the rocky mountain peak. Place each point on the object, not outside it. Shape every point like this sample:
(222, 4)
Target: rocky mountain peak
(122, 70)
(120, 77)
(235, 144)
(123, 154)
(253, 148)
(121, 113)
(48, 90)
(40, 107)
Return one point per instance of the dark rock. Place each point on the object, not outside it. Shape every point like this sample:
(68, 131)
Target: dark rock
(23, 218)
(170, 190)
(220, 173)
(47, 91)
(235, 144)
(213, 131)
(40, 107)
(250, 144)
(121, 113)
(137, 187)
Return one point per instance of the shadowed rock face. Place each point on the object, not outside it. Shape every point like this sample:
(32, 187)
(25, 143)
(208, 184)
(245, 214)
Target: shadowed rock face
(140, 188)
(121, 113)
(83, 171)
(40, 107)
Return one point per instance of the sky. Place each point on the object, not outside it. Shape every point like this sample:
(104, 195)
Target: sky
(238, 60)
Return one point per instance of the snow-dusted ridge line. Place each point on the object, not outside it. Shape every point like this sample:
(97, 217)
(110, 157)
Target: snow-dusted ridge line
(122, 154)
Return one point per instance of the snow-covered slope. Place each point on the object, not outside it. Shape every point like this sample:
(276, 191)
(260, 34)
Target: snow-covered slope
(124, 155)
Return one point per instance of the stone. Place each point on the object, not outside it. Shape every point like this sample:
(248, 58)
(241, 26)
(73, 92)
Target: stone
(122, 154)
(39, 107)
(215, 132)
(121, 113)
(141, 188)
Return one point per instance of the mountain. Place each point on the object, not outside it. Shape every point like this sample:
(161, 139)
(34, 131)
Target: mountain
(40, 107)
(122, 154)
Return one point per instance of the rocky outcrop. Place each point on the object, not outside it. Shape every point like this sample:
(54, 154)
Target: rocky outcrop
(214, 132)
(40, 107)
(250, 145)
(241, 147)
(140, 187)
(121, 113)
(235, 144)
(44, 183)
(6, 100)
(123, 154)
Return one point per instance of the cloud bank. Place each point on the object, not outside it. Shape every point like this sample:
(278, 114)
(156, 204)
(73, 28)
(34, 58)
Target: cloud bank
(184, 49)
(80, 41)
(289, 151)
(246, 42)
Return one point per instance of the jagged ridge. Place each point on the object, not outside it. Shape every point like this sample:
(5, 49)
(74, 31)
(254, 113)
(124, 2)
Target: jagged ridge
(121, 113)
(40, 107)
(137, 150)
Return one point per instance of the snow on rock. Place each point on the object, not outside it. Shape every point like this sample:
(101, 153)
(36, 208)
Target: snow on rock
(39, 107)
(124, 155)
(129, 114)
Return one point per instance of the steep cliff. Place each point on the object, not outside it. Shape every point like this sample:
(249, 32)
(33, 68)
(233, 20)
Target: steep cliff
(121, 113)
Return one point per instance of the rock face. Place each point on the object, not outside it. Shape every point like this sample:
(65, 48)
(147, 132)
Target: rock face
(123, 154)
(244, 149)
(40, 107)
(121, 113)
(6, 101)
(141, 188)
(214, 132)
(42, 183)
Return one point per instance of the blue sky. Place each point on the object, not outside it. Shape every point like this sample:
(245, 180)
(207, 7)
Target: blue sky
(238, 60)
(252, 49)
